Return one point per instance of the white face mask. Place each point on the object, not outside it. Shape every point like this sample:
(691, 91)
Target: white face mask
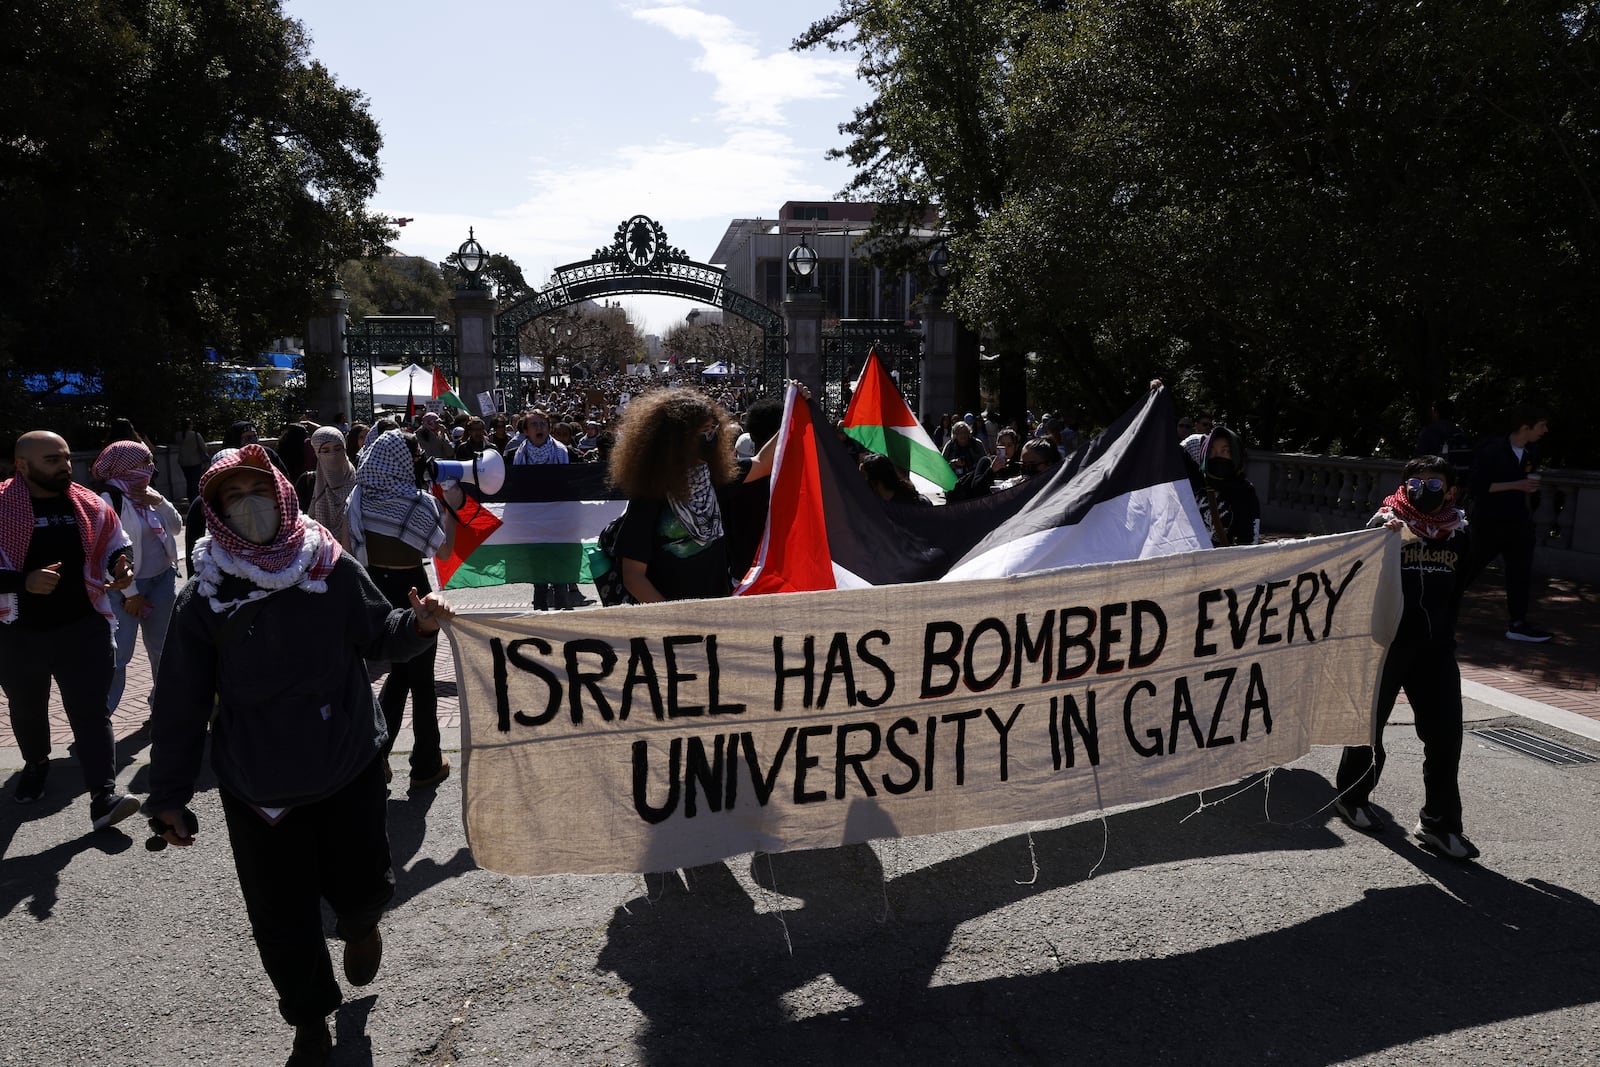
(254, 518)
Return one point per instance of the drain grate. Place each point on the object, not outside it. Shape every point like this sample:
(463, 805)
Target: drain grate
(1540, 748)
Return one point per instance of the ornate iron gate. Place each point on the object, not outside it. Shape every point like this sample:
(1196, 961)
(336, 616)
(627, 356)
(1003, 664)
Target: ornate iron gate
(844, 353)
(638, 261)
(412, 338)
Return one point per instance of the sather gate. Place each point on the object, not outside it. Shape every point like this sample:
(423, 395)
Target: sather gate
(638, 261)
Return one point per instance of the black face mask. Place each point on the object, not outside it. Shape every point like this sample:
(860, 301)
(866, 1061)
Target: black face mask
(1220, 468)
(1425, 501)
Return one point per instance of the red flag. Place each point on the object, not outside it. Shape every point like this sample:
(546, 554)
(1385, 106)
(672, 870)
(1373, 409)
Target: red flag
(441, 385)
(800, 558)
(476, 524)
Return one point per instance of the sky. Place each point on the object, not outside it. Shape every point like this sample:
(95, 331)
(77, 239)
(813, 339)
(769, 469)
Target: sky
(543, 125)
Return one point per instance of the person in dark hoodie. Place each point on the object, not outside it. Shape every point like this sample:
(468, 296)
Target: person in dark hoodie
(1422, 659)
(296, 751)
(1228, 502)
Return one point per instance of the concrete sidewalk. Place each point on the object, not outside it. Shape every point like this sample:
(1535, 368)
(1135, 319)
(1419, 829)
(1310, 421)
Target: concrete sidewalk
(1252, 928)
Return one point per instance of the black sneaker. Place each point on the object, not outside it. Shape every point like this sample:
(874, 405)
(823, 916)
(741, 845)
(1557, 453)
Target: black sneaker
(1451, 845)
(1359, 817)
(362, 957)
(1521, 631)
(30, 784)
(108, 809)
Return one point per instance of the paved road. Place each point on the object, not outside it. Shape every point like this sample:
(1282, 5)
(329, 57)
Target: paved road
(1256, 931)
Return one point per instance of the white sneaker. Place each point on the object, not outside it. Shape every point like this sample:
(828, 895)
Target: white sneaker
(1455, 846)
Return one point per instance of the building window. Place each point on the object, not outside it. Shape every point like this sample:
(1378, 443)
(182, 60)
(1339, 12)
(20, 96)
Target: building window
(811, 213)
(772, 288)
(830, 283)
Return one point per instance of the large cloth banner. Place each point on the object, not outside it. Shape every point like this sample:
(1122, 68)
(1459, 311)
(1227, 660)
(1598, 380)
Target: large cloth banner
(649, 737)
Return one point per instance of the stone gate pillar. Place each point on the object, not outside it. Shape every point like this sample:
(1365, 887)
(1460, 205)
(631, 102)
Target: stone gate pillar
(328, 394)
(802, 321)
(474, 311)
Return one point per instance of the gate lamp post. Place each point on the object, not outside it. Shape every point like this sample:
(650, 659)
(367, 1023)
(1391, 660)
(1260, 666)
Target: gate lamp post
(803, 262)
(939, 261)
(471, 258)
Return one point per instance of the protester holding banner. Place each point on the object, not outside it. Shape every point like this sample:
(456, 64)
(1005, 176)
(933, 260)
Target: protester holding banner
(295, 733)
(1227, 500)
(672, 455)
(1422, 659)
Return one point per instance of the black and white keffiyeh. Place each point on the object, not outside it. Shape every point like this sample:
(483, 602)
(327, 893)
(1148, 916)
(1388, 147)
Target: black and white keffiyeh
(552, 451)
(700, 514)
(386, 500)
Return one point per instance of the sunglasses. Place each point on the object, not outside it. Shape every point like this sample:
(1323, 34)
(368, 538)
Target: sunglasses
(1432, 485)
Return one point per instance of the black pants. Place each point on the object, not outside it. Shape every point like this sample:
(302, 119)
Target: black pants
(1432, 682)
(335, 849)
(414, 677)
(80, 657)
(1514, 541)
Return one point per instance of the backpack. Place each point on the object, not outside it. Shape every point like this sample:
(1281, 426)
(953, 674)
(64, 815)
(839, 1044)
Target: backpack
(606, 569)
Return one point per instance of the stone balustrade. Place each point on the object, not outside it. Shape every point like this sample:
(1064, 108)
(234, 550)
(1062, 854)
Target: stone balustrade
(1303, 494)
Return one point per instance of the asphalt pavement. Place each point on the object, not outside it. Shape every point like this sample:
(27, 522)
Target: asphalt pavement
(1245, 926)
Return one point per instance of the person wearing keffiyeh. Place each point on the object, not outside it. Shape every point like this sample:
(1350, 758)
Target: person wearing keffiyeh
(1422, 659)
(151, 523)
(395, 526)
(672, 454)
(273, 631)
(324, 490)
(538, 448)
(63, 555)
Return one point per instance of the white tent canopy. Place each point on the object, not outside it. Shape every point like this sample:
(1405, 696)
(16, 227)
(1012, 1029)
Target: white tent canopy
(719, 369)
(392, 390)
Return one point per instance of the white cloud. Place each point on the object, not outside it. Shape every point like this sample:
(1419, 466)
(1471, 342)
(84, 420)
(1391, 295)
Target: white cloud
(751, 87)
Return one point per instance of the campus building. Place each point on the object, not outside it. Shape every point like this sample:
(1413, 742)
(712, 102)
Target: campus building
(753, 252)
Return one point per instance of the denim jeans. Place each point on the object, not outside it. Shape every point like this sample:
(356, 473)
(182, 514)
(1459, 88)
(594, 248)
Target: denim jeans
(159, 592)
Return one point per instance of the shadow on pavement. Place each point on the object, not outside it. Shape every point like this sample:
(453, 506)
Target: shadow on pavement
(408, 826)
(1398, 966)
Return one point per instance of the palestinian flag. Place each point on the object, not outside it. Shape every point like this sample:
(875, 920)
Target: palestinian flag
(826, 529)
(1125, 495)
(443, 392)
(880, 420)
(534, 530)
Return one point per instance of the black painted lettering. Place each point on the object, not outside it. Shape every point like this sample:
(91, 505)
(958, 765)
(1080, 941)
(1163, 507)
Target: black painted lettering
(1088, 730)
(1149, 622)
(641, 781)
(1077, 633)
(870, 659)
(765, 782)
(975, 682)
(1239, 629)
(1034, 648)
(1300, 604)
(1267, 613)
(641, 671)
(1182, 711)
(948, 658)
(805, 672)
(701, 774)
(838, 664)
(1334, 596)
(517, 659)
(714, 683)
(1004, 730)
(581, 681)
(675, 677)
(843, 757)
(1255, 697)
(1110, 634)
(960, 719)
(893, 744)
(502, 691)
(804, 761)
(1154, 748)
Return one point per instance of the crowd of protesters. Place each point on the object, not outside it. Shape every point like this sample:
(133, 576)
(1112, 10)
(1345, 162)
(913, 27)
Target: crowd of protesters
(313, 553)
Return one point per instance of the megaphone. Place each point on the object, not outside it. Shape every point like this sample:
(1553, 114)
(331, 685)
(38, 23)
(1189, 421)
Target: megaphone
(486, 470)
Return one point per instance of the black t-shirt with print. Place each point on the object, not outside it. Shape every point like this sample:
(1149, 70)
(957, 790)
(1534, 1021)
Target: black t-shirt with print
(55, 540)
(681, 569)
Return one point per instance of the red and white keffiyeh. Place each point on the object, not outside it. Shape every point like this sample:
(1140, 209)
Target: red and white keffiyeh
(1431, 525)
(98, 529)
(302, 555)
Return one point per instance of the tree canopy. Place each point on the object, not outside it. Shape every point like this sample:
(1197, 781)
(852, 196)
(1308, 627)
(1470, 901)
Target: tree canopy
(1313, 219)
(175, 175)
